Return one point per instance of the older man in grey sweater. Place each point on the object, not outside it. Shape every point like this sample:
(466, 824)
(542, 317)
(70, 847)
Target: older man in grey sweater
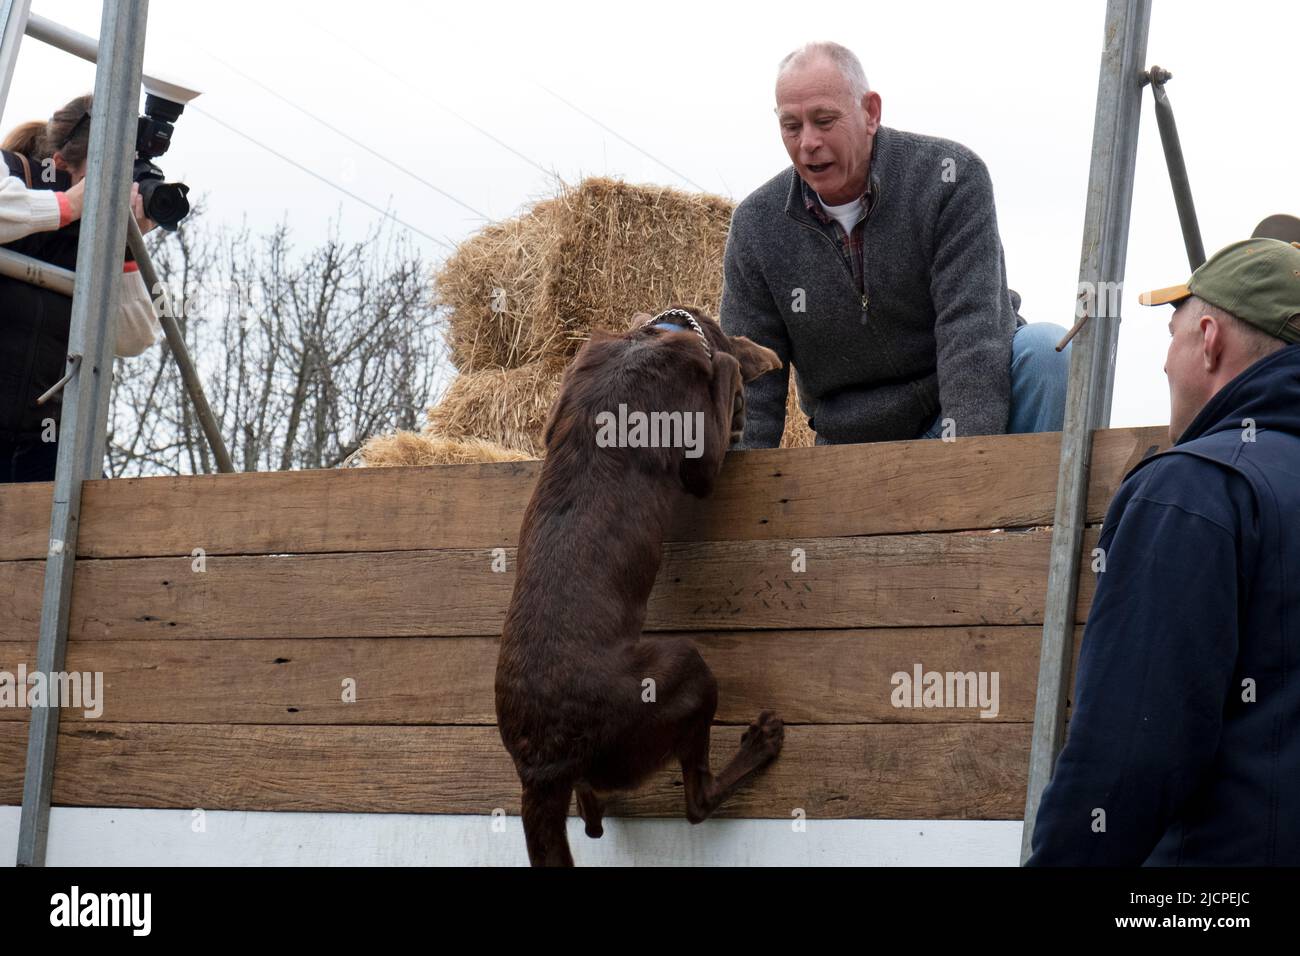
(873, 263)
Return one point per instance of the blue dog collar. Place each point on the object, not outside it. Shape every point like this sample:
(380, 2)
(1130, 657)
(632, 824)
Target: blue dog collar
(692, 325)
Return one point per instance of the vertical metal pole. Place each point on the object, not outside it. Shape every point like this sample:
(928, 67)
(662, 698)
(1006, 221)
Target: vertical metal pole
(85, 399)
(1092, 369)
(13, 24)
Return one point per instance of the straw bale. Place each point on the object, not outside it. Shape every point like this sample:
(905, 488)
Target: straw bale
(797, 433)
(403, 449)
(623, 249)
(504, 406)
(491, 287)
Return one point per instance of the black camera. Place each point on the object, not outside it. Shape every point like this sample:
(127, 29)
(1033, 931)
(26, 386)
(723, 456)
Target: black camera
(164, 202)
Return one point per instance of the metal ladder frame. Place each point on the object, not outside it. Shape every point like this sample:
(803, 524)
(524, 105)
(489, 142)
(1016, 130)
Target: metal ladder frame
(107, 229)
(1092, 371)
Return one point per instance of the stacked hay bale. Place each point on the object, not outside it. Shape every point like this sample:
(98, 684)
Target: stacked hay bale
(492, 290)
(403, 448)
(507, 406)
(797, 434)
(522, 296)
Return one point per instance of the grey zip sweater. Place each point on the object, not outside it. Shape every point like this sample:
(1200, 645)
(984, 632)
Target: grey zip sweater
(930, 331)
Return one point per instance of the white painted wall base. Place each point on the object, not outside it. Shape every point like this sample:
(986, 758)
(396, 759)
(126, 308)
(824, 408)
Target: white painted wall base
(111, 837)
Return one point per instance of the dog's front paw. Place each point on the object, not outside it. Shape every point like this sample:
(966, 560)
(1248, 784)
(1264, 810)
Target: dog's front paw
(766, 735)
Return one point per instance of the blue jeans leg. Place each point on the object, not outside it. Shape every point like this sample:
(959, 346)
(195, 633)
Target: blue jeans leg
(935, 430)
(1038, 377)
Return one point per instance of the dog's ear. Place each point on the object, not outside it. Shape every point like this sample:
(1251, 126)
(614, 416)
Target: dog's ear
(755, 360)
(638, 320)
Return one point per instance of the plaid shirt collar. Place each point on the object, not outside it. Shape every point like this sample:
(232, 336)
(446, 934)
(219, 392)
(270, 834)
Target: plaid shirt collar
(850, 245)
(813, 203)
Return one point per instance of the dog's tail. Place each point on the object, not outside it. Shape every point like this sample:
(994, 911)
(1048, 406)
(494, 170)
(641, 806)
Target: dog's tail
(546, 815)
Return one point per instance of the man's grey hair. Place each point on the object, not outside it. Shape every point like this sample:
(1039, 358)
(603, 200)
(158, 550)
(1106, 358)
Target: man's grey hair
(1255, 341)
(845, 60)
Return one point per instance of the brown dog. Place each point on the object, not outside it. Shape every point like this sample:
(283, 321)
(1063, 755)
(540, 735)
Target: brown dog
(572, 697)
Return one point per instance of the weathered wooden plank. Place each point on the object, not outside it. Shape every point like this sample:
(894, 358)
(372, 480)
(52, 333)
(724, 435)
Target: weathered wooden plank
(915, 580)
(880, 771)
(892, 487)
(831, 677)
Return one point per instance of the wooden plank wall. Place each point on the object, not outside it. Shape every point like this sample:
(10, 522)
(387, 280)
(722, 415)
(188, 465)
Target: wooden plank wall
(224, 686)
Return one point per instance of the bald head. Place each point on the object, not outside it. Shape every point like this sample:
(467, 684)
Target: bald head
(828, 118)
(844, 60)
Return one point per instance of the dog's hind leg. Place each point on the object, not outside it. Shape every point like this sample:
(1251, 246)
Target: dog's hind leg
(677, 723)
(592, 809)
(758, 747)
(546, 813)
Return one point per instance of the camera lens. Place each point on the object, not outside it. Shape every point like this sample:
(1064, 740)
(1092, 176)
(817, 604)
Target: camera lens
(165, 203)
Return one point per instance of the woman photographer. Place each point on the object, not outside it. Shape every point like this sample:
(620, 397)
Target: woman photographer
(40, 212)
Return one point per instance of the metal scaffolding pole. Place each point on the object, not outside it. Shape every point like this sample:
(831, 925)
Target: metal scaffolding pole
(1092, 369)
(1178, 178)
(36, 272)
(180, 352)
(90, 356)
(13, 21)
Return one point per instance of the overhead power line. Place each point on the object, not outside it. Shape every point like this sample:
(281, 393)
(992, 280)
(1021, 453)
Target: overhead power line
(315, 175)
(350, 138)
(407, 83)
(423, 94)
(614, 132)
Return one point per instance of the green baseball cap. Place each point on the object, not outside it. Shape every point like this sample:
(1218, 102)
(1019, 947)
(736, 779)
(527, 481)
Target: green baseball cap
(1257, 280)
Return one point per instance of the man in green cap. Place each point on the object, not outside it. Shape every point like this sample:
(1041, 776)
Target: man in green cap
(1184, 741)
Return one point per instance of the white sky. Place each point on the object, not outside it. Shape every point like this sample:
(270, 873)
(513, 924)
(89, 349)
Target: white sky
(691, 84)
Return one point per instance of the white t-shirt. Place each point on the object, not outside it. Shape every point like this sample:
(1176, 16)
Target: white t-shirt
(847, 215)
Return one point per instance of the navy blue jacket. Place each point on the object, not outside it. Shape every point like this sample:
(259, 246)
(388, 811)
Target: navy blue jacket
(1185, 730)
